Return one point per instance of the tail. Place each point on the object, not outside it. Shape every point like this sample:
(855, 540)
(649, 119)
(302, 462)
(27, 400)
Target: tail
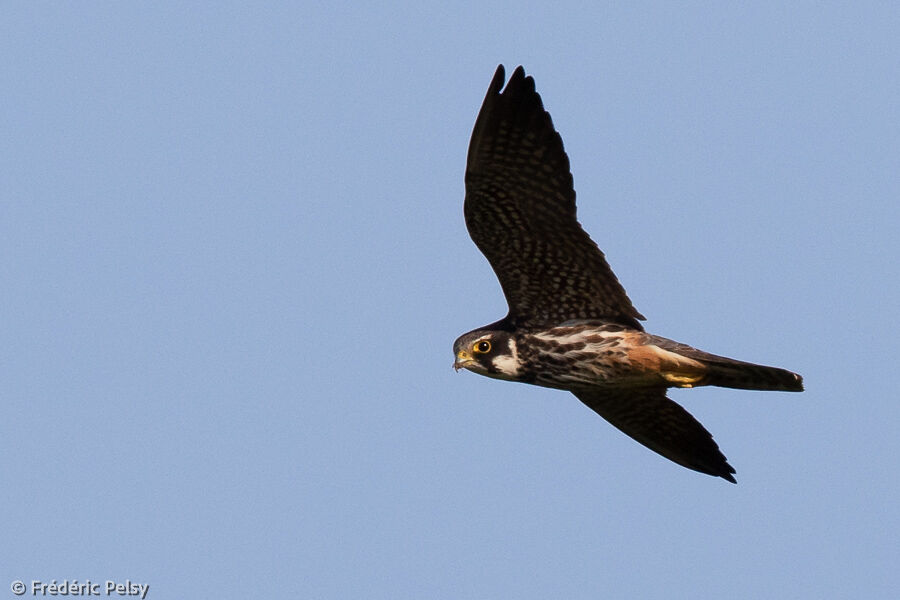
(729, 373)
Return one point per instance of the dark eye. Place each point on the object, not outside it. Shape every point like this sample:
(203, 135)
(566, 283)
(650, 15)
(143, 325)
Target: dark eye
(482, 347)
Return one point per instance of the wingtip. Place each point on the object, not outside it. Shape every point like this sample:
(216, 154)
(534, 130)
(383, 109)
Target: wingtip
(497, 81)
(726, 471)
(521, 83)
(723, 470)
(499, 78)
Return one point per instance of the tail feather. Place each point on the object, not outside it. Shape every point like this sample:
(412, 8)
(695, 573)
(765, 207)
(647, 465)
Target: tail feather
(730, 373)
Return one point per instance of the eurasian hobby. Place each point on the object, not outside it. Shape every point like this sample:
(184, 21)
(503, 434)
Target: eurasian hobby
(570, 324)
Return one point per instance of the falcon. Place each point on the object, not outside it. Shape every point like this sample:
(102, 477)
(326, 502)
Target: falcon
(570, 324)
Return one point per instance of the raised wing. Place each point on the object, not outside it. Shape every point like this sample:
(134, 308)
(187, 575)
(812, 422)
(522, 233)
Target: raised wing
(663, 426)
(520, 212)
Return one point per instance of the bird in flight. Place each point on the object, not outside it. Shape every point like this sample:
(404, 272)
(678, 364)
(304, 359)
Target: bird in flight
(570, 324)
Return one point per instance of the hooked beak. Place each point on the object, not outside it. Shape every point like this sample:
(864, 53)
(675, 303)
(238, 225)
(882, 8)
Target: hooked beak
(463, 360)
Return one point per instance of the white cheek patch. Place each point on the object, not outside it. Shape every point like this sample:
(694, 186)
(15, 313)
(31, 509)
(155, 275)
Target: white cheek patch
(508, 364)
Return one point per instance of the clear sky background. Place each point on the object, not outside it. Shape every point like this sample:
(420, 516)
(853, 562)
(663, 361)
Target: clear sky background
(233, 262)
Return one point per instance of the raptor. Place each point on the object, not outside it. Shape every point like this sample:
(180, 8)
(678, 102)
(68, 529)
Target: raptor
(570, 325)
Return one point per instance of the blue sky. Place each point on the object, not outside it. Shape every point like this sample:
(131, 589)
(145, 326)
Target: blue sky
(234, 263)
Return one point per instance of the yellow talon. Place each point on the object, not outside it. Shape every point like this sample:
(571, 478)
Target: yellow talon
(682, 380)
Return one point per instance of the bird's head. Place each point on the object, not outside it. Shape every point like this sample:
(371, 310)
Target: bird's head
(487, 352)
